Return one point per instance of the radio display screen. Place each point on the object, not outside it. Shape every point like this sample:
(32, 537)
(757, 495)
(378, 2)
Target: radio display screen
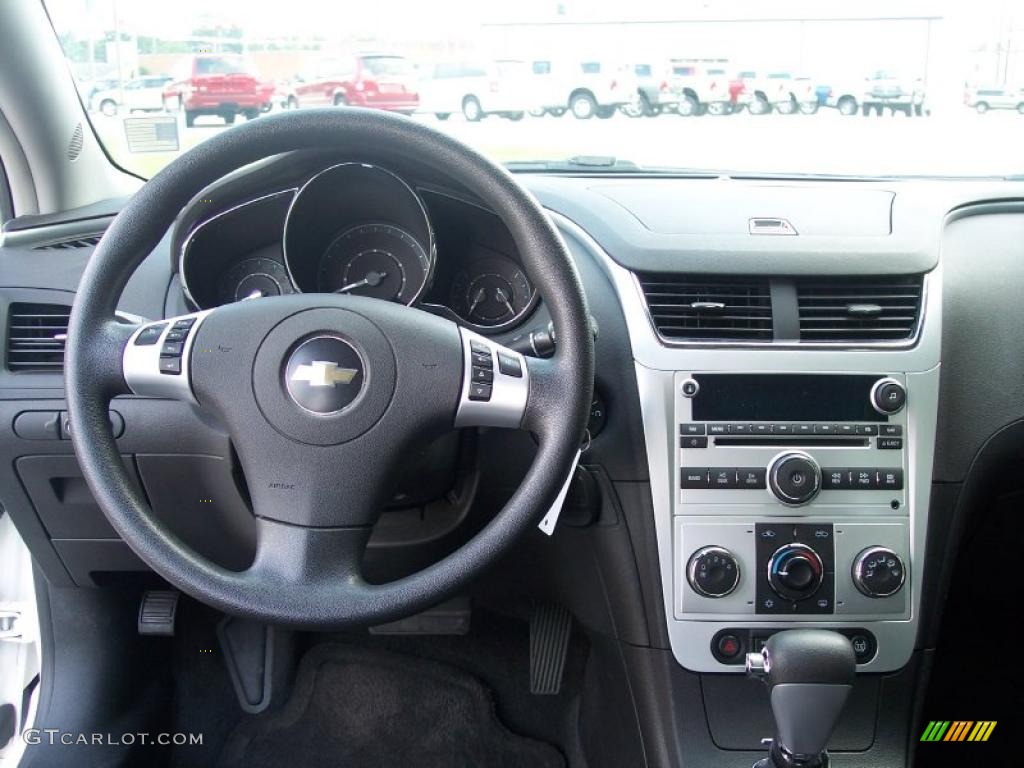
(784, 397)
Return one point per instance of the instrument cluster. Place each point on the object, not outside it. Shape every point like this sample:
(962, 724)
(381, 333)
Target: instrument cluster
(361, 229)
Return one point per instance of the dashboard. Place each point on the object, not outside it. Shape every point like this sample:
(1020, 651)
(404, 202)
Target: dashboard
(358, 228)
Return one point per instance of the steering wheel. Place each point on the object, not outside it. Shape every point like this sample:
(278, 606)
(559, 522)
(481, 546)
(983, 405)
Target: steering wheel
(323, 395)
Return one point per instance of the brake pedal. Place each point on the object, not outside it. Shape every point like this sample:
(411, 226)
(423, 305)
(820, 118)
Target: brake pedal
(157, 612)
(550, 628)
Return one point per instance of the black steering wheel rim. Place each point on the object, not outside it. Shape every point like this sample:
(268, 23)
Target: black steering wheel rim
(557, 407)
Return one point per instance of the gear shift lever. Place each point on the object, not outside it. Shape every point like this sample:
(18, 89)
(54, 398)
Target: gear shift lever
(809, 673)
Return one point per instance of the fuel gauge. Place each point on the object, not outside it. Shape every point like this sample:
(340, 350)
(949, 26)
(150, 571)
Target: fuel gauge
(491, 293)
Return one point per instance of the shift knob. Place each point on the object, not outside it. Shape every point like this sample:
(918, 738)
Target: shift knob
(809, 673)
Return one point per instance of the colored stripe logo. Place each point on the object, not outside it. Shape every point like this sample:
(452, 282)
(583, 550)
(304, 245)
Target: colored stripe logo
(958, 730)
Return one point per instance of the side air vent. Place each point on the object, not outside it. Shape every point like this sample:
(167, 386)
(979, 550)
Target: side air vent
(85, 241)
(35, 337)
(859, 309)
(710, 308)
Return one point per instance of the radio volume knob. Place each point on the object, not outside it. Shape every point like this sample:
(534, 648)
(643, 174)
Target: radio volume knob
(795, 478)
(888, 396)
(713, 571)
(879, 572)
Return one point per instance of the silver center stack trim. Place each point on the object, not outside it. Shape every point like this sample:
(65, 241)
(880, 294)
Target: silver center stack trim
(656, 365)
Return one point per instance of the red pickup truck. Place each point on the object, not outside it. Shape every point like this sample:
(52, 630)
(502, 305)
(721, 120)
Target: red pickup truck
(225, 85)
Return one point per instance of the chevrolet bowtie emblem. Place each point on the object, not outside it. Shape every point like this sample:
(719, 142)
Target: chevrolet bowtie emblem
(323, 373)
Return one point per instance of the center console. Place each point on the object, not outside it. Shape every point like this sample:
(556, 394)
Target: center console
(790, 477)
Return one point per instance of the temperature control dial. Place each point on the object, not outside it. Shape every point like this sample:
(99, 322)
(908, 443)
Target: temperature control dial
(713, 572)
(795, 478)
(879, 572)
(795, 572)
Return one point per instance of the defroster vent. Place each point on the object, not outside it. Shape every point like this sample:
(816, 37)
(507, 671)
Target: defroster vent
(708, 308)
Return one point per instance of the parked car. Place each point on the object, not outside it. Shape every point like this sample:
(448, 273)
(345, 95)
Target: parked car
(375, 80)
(225, 85)
(586, 89)
(984, 98)
(762, 92)
(657, 91)
(880, 91)
(703, 88)
(142, 93)
(478, 89)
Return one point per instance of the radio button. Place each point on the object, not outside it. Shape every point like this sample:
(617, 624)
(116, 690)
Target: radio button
(890, 479)
(864, 478)
(782, 429)
(739, 429)
(693, 441)
(890, 443)
(803, 429)
(716, 429)
(836, 479)
(723, 478)
(696, 477)
(847, 429)
(760, 429)
(752, 477)
(892, 430)
(691, 429)
(689, 388)
(795, 478)
(888, 396)
(867, 429)
(824, 429)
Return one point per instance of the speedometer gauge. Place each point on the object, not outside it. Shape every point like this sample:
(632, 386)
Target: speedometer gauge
(254, 278)
(378, 260)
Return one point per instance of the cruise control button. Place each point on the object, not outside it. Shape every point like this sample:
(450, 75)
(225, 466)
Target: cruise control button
(171, 349)
(691, 429)
(890, 443)
(170, 365)
(693, 441)
(693, 478)
(149, 335)
(176, 334)
(892, 430)
(184, 324)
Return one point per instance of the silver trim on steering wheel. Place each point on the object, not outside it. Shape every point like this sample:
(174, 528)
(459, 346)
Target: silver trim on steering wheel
(141, 362)
(507, 401)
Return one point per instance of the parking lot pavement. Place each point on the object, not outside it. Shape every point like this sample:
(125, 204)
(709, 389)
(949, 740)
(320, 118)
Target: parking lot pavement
(957, 143)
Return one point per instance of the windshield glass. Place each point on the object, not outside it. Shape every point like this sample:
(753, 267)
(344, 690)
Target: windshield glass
(867, 88)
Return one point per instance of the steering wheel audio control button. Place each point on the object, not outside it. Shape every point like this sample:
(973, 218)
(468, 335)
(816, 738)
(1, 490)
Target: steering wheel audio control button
(493, 395)
(155, 362)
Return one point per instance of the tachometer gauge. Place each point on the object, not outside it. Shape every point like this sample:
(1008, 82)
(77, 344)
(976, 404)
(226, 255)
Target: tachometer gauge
(378, 260)
(492, 292)
(253, 279)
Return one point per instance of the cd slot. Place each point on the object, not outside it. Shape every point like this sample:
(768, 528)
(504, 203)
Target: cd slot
(822, 440)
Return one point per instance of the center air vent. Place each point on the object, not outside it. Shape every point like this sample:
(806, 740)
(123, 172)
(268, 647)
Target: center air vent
(708, 307)
(35, 337)
(859, 309)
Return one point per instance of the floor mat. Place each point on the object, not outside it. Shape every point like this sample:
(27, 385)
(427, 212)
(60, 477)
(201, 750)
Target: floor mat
(354, 707)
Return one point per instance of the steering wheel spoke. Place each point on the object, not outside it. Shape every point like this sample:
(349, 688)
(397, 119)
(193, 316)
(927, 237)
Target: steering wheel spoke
(156, 359)
(495, 384)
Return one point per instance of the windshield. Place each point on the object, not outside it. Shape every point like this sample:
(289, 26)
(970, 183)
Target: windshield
(867, 88)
